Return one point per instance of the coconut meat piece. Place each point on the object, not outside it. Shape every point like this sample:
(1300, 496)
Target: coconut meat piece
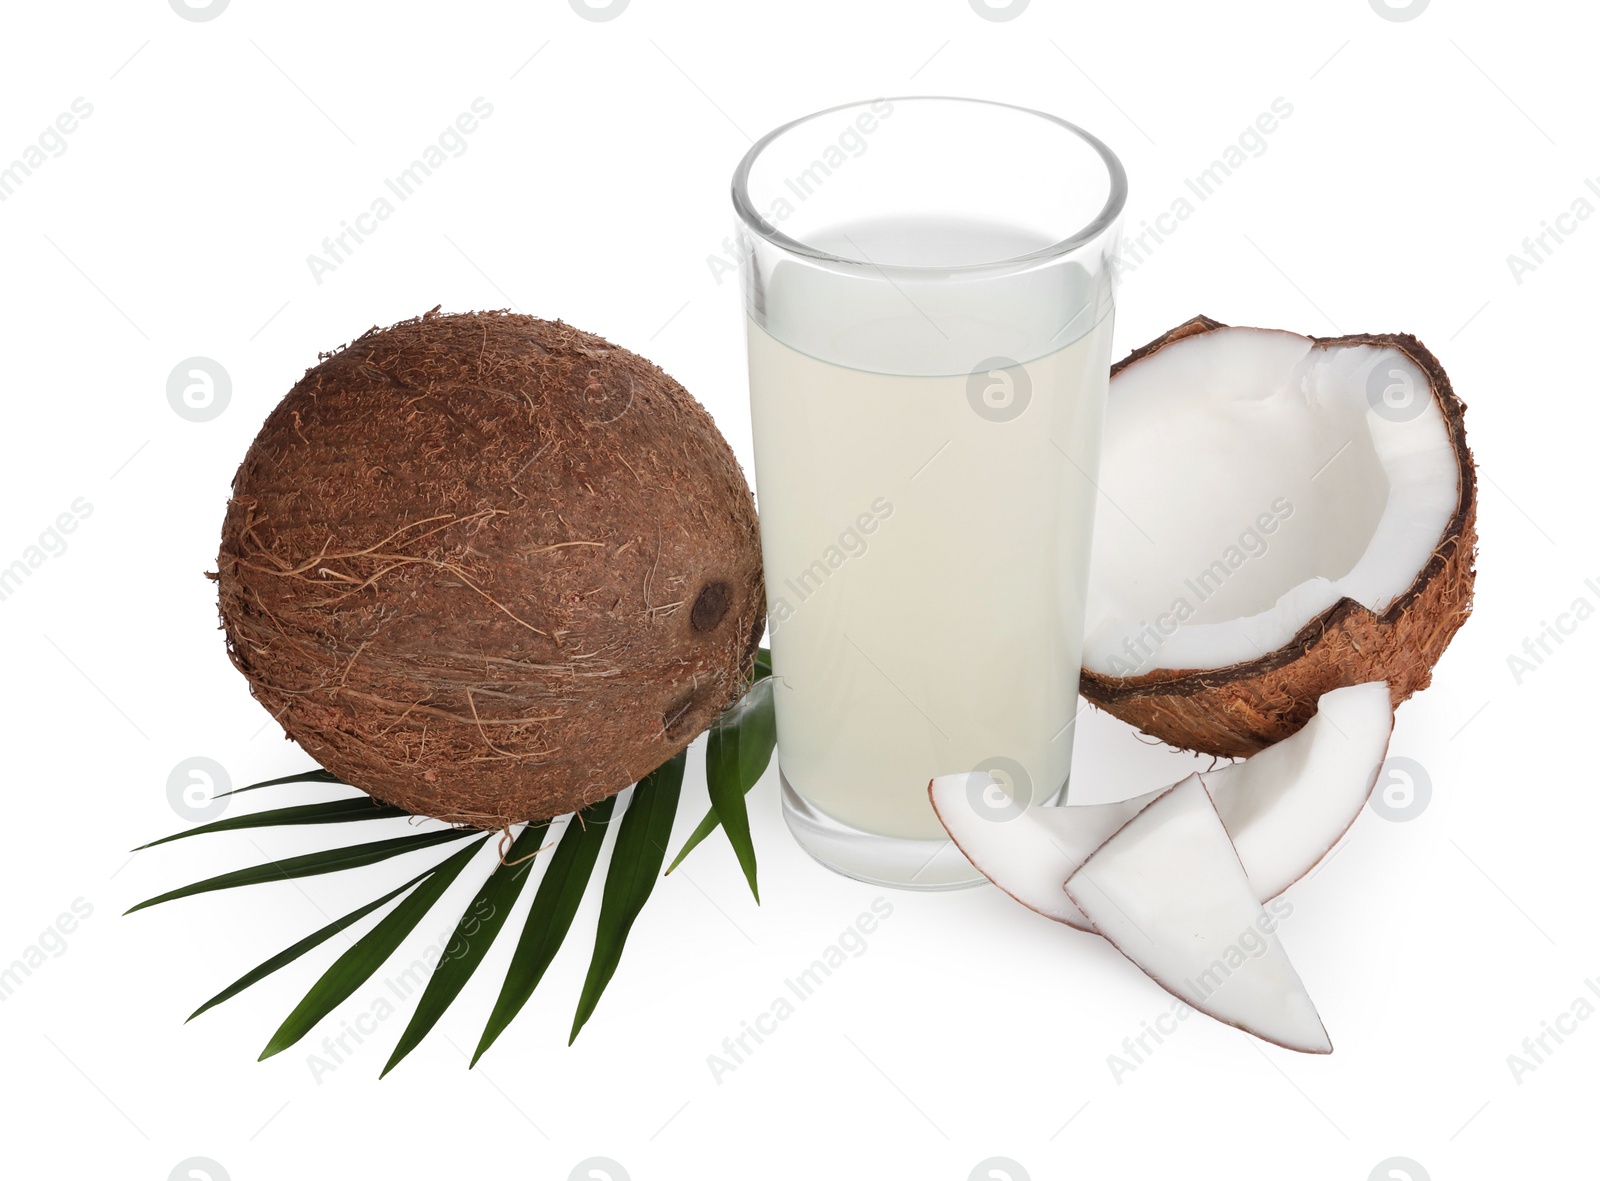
(1287, 806)
(1284, 808)
(1252, 479)
(1168, 891)
(1028, 851)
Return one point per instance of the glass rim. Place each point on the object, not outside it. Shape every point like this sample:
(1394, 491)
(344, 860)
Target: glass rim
(1108, 214)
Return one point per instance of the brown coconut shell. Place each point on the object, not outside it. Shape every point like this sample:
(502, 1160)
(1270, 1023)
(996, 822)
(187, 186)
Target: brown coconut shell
(1237, 710)
(490, 568)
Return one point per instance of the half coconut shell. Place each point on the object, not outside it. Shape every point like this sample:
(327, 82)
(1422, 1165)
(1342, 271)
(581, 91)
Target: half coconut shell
(1238, 709)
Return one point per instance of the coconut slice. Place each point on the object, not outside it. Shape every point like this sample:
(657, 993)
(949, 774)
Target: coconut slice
(1169, 892)
(1027, 851)
(1284, 809)
(1283, 515)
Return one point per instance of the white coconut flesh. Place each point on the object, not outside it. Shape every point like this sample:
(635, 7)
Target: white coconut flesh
(1284, 808)
(1168, 890)
(1027, 851)
(1287, 806)
(1251, 480)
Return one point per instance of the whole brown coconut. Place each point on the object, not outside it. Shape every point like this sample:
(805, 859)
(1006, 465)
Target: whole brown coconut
(1236, 711)
(490, 568)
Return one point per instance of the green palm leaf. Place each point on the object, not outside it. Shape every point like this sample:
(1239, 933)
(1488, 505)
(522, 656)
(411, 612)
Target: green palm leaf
(315, 775)
(549, 918)
(289, 954)
(635, 863)
(330, 812)
(309, 864)
(739, 749)
(737, 754)
(352, 969)
(475, 934)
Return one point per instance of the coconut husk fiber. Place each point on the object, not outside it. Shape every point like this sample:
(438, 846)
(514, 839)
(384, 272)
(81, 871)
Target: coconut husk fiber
(490, 568)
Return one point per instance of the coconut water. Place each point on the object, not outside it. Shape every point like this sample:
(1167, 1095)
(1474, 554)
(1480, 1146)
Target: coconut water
(925, 517)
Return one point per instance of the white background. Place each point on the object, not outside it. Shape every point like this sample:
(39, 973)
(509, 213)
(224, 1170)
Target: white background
(177, 223)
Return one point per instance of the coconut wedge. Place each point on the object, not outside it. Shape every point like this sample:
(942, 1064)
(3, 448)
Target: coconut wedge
(1169, 892)
(1028, 853)
(1284, 809)
(1334, 544)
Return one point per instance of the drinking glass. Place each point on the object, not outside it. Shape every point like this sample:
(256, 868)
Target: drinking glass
(927, 287)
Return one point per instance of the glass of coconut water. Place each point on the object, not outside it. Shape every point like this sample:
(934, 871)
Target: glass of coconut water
(927, 287)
